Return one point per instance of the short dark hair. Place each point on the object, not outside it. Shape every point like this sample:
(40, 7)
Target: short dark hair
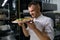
(34, 3)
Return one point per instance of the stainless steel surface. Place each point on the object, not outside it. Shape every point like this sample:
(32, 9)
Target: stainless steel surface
(9, 37)
(4, 27)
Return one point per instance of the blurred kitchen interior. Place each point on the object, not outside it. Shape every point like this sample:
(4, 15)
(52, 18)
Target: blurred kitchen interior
(14, 9)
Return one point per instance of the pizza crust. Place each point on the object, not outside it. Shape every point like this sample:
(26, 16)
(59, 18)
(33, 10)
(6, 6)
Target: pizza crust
(26, 19)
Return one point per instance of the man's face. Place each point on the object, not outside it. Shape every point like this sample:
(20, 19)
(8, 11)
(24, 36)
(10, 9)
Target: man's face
(34, 10)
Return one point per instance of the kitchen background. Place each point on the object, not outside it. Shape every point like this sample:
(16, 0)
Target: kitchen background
(13, 9)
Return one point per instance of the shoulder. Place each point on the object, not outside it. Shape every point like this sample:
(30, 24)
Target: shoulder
(47, 18)
(48, 21)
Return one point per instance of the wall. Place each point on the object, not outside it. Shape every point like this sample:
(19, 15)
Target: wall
(58, 5)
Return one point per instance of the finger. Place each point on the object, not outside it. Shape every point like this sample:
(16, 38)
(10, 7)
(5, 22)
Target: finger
(20, 24)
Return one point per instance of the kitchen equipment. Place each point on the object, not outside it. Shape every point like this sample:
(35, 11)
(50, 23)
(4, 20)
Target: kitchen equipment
(2, 18)
(6, 33)
(4, 27)
(9, 37)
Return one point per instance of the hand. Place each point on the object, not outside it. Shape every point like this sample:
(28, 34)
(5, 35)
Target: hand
(20, 23)
(31, 25)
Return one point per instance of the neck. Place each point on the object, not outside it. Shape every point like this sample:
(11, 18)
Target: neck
(38, 15)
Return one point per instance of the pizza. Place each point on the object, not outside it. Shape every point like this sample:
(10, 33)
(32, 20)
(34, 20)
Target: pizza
(26, 19)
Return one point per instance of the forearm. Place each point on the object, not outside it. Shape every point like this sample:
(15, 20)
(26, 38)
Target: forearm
(25, 31)
(41, 35)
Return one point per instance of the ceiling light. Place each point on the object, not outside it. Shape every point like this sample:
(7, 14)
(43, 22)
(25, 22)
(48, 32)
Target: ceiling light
(4, 2)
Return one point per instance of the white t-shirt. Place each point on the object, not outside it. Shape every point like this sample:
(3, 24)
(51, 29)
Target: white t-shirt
(42, 22)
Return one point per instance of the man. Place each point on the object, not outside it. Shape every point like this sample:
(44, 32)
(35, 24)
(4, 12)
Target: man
(42, 26)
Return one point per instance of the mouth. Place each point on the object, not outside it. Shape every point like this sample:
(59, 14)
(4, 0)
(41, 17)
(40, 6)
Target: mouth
(32, 15)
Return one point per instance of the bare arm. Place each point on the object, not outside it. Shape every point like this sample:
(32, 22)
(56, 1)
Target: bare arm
(41, 35)
(25, 31)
